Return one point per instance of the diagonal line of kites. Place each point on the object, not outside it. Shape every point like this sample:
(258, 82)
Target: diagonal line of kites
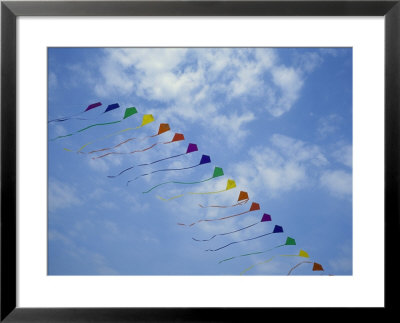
(205, 159)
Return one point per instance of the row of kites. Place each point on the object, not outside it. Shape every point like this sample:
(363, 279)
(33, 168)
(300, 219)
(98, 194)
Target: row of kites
(243, 197)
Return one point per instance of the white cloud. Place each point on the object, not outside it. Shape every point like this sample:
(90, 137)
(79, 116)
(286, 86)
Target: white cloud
(298, 150)
(344, 154)
(53, 82)
(95, 259)
(288, 166)
(61, 195)
(328, 125)
(178, 76)
(309, 61)
(343, 262)
(205, 85)
(60, 130)
(247, 80)
(233, 126)
(338, 182)
(288, 82)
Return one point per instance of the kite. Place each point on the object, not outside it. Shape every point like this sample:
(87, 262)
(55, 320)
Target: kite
(177, 137)
(277, 229)
(316, 266)
(289, 242)
(217, 172)
(128, 113)
(230, 184)
(205, 159)
(164, 127)
(191, 148)
(265, 218)
(302, 253)
(254, 207)
(242, 199)
(112, 107)
(75, 116)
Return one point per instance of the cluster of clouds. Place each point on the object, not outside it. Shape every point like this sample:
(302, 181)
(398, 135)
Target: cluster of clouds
(205, 84)
(286, 164)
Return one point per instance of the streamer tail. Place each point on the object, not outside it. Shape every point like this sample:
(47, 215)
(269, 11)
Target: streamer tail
(225, 206)
(223, 234)
(160, 170)
(299, 264)
(234, 242)
(259, 263)
(176, 182)
(250, 254)
(131, 152)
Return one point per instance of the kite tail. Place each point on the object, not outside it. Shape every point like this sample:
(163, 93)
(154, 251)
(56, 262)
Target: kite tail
(159, 160)
(207, 192)
(67, 118)
(161, 170)
(125, 170)
(171, 198)
(113, 176)
(53, 139)
(104, 149)
(175, 182)
(229, 244)
(259, 263)
(209, 220)
(223, 234)
(299, 264)
(83, 129)
(98, 124)
(206, 239)
(132, 152)
(226, 206)
(94, 151)
(250, 254)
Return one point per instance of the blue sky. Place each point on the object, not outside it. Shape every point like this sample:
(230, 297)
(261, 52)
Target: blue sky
(278, 121)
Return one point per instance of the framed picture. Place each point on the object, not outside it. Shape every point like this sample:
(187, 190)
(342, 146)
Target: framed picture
(162, 158)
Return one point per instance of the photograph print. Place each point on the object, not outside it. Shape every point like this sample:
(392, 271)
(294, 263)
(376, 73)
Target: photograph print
(200, 161)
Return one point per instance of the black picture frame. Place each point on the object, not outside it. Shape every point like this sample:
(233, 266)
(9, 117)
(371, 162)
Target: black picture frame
(10, 10)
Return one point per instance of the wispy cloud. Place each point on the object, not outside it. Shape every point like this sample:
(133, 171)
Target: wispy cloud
(338, 182)
(187, 81)
(288, 82)
(284, 165)
(343, 261)
(62, 195)
(344, 154)
(328, 125)
(96, 260)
